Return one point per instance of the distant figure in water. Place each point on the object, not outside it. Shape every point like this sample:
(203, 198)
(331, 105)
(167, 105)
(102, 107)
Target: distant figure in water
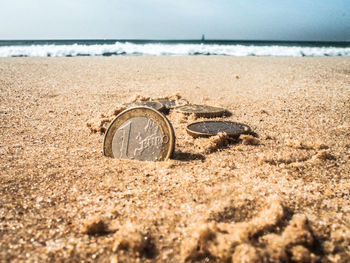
(203, 38)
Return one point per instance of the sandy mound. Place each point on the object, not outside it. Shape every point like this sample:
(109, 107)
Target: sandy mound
(130, 241)
(254, 240)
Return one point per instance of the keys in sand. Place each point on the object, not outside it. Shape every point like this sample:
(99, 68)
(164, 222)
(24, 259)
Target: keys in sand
(201, 110)
(140, 133)
(210, 128)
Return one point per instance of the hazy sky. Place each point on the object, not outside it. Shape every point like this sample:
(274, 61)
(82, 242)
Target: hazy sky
(177, 19)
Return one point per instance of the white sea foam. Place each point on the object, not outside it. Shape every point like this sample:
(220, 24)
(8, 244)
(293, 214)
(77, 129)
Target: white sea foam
(153, 49)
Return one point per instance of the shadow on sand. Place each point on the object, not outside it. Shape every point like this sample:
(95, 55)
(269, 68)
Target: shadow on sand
(185, 156)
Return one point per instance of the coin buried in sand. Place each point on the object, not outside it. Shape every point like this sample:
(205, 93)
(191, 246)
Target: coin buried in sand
(210, 128)
(140, 133)
(170, 104)
(152, 104)
(201, 110)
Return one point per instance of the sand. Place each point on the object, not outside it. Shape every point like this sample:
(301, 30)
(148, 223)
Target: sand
(282, 196)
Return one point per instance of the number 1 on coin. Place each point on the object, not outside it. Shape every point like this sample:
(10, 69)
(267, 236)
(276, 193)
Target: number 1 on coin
(126, 128)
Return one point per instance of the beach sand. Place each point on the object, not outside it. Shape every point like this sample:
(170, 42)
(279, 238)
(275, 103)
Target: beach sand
(283, 196)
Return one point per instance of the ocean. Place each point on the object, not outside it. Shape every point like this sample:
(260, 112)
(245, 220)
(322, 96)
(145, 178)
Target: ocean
(72, 48)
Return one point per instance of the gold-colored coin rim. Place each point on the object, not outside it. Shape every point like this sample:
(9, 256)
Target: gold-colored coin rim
(213, 113)
(167, 148)
(196, 134)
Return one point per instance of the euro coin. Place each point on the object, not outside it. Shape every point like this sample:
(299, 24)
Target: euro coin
(152, 104)
(201, 110)
(140, 133)
(211, 128)
(170, 104)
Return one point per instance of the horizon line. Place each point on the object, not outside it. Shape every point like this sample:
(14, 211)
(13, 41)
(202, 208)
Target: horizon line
(175, 39)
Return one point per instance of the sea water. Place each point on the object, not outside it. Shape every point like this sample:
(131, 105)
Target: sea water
(71, 48)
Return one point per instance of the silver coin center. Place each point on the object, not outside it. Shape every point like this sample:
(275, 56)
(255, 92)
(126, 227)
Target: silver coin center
(216, 127)
(138, 138)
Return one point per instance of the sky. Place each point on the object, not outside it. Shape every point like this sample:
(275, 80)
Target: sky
(306, 20)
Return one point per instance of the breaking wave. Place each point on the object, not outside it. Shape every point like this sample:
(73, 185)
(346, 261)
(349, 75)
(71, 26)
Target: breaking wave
(162, 49)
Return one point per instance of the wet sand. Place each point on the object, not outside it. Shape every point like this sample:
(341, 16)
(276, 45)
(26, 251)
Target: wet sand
(283, 196)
